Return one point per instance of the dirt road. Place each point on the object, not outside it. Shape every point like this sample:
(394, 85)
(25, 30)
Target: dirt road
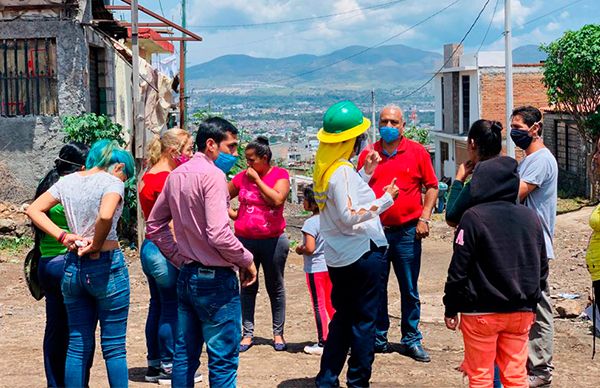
(22, 322)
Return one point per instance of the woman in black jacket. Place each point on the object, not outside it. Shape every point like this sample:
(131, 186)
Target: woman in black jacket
(496, 275)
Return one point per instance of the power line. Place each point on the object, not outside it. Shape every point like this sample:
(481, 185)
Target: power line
(489, 26)
(305, 19)
(451, 55)
(368, 48)
(296, 32)
(162, 12)
(548, 14)
(551, 12)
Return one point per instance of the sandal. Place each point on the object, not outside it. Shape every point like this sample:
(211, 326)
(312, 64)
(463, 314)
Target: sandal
(279, 346)
(245, 347)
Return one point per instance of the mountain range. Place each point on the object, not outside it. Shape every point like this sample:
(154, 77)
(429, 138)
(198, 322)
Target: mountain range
(347, 68)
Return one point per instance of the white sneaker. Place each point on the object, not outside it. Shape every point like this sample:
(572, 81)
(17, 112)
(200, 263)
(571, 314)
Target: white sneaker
(166, 379)
(315, 349)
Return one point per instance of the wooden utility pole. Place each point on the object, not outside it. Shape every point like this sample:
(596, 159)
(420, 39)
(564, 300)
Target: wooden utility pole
(138, 114)
(182, 107)
(373, 125)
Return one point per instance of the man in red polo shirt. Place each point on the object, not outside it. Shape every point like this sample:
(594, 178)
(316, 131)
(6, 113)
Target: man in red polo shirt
(406, 223)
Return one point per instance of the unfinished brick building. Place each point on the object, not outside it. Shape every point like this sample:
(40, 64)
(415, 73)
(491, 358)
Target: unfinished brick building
(469, 88)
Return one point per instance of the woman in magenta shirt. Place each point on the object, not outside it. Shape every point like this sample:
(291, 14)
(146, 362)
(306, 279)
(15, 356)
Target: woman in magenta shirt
(260, 226)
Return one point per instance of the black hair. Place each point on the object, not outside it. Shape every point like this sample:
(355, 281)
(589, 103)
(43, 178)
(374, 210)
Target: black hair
(530, 116)
(214, 128)
(260, 145)
(71, 158)
(487, 136)
(309, 196)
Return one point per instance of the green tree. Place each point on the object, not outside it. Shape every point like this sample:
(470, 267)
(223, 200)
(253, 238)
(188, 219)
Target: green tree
(572, 79)
(89, 127)
(420, 135)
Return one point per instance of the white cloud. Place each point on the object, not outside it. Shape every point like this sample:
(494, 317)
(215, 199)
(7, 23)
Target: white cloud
(366, 27)
(553, 26)
(520, 12)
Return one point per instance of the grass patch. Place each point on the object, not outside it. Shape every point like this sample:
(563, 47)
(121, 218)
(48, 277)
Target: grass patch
(566, 205)
(13, 245)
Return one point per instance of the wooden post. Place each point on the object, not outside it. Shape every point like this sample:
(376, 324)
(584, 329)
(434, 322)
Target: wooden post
(138, 116)
(294, 185)
(182, 84)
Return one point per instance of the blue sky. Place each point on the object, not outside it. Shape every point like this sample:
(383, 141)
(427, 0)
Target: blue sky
(367, 27)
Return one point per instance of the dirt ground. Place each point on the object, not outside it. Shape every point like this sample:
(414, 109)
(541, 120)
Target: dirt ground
(22, 323)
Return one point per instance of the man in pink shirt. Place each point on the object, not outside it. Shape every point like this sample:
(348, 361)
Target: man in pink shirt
(195, 197)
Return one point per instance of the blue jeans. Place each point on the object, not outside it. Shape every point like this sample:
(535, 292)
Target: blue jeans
(161, 324)
(56, 334)
(355, 296)
(404, 253)
(497, 382)
(209, 312)
(96, 290)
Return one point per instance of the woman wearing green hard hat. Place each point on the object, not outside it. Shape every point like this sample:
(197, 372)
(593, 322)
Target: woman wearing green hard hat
(354, 243)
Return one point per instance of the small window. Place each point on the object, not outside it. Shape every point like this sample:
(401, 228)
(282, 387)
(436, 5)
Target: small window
(97, 80)
(444, 151)
(443, 105)
(28, 80)
(466, 103)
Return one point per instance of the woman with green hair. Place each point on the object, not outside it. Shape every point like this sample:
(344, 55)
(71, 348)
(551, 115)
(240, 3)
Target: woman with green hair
(95, 284)
(354, 243)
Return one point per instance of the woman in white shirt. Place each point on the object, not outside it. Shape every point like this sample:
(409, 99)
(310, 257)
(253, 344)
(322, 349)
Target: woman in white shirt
(354, 243)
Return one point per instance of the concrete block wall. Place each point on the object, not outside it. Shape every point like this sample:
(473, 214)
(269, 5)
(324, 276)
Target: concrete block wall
(31, 143)
(562, 139)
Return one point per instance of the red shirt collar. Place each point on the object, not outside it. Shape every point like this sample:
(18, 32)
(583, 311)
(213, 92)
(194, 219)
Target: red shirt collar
(402, 145)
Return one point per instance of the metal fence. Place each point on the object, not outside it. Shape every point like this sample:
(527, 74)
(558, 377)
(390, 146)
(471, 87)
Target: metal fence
(28, 81)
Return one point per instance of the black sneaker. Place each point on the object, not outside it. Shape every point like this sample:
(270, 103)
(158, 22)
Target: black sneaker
(165, 378)
(152, 375)
(385, 348)
(416, 352)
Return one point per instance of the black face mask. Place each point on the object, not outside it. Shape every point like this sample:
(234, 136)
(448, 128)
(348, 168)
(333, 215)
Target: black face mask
(361, 144)
(521, 138)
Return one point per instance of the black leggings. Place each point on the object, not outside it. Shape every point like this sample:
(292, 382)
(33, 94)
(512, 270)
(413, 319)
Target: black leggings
(272, 254)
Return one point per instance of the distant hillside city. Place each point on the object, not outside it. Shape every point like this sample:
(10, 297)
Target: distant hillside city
(284, 100)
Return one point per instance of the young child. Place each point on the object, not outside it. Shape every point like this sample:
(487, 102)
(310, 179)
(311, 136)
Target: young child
(317, 277)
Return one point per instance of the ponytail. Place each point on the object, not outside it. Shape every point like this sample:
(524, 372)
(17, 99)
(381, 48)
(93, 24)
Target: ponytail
(260, 145)
(154, 150)
(174, 138)
(487, 136)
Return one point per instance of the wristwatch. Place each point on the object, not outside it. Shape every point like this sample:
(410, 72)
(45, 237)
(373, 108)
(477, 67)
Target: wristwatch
(425, 220)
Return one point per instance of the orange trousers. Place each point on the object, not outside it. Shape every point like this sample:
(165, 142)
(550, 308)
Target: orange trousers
(499, 337)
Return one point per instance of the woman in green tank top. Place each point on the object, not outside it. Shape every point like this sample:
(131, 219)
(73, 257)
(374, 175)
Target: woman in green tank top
(71, 158)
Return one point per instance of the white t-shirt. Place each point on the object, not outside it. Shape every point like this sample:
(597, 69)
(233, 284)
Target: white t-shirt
(81, 197)
(315, 262)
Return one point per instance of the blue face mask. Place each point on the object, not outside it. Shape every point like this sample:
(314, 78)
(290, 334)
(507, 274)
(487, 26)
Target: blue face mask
(389, 134)
(225, 162)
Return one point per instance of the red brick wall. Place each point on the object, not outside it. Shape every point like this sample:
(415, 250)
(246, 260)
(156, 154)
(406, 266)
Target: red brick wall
(528, 89)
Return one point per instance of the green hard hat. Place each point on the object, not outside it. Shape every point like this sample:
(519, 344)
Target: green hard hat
(342, 121)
